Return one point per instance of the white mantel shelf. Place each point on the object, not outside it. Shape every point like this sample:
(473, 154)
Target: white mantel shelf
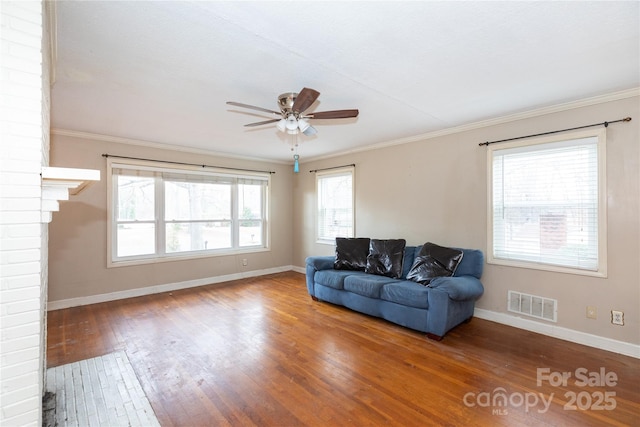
(59, 183)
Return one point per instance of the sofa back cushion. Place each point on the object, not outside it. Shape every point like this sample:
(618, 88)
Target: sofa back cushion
(410, 253)
(472, 263)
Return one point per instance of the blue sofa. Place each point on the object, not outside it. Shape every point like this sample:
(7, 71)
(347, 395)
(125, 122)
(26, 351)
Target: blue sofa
(434, 309)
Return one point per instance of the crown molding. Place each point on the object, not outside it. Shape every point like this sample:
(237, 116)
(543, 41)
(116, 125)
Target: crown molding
(614, 96)
(157, 145)
(601, 99)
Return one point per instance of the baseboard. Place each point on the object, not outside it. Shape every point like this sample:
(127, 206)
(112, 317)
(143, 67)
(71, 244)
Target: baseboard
(149, 290)
(566, 334)
(297, 269)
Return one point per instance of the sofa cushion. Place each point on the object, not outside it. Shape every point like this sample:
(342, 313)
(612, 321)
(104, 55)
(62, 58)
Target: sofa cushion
(434, 261)
(366, 285)
(385, 257)
(406, 293)
(472, 264)
(351, 253)
(332, 278)
(409, 256)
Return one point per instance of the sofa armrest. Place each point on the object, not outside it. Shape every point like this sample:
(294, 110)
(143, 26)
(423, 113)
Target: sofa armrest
(321, 262)
(461, 288)
(316, 263)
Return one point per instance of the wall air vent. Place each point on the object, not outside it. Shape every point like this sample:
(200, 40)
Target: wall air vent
(534, 306)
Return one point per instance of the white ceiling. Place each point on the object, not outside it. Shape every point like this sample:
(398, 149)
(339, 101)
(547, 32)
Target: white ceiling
(162, 71)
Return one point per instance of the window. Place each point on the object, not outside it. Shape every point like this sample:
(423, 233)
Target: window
(335, 212)
(161, 213)
(547, 203)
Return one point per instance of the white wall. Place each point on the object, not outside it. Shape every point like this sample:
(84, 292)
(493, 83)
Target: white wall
(435, 190)
(24, 124)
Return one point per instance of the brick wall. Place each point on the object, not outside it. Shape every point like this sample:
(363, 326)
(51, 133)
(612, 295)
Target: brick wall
(24, 149)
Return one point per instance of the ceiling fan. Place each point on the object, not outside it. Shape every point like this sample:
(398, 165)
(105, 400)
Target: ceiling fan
(292, 117)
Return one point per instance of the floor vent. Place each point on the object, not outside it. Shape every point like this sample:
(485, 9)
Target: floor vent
(534, 306)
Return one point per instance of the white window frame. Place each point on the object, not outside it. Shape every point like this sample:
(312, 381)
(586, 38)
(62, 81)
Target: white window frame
(320, 175)
(160, 254)
(601, 269)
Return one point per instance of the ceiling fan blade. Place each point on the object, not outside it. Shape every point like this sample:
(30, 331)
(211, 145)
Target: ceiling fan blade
(266, 122)
(305, 98)
(253, 107)
(335, 114)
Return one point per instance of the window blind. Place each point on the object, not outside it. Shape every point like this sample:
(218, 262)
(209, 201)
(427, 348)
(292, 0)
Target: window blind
(545, 203)
(335, 205)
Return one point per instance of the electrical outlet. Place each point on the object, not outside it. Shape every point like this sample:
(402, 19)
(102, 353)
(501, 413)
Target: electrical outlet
(592, 312)
(245, 262)
(617, 317)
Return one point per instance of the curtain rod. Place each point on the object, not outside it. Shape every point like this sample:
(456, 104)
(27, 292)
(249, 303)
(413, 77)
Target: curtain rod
(605, 124)
(335, 167)
(186, 164)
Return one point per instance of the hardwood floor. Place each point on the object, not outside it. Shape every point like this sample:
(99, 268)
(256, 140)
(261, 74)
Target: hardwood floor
(260, 352)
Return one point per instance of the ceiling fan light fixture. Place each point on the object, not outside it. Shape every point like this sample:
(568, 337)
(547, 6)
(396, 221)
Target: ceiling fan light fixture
(293, 118)
(303, 125)
(291, 124)
(310, 131)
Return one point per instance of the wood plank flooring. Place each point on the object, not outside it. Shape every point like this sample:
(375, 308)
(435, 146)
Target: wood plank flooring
(260, 352)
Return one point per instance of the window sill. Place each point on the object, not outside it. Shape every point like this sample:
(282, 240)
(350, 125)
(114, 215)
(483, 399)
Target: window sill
(326, 242)
(600, 273)
(173, 258)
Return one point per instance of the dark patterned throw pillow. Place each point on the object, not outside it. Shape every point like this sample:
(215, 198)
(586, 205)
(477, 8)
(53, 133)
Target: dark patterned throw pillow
(385, 257)
(351, 253)
(434, 261)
